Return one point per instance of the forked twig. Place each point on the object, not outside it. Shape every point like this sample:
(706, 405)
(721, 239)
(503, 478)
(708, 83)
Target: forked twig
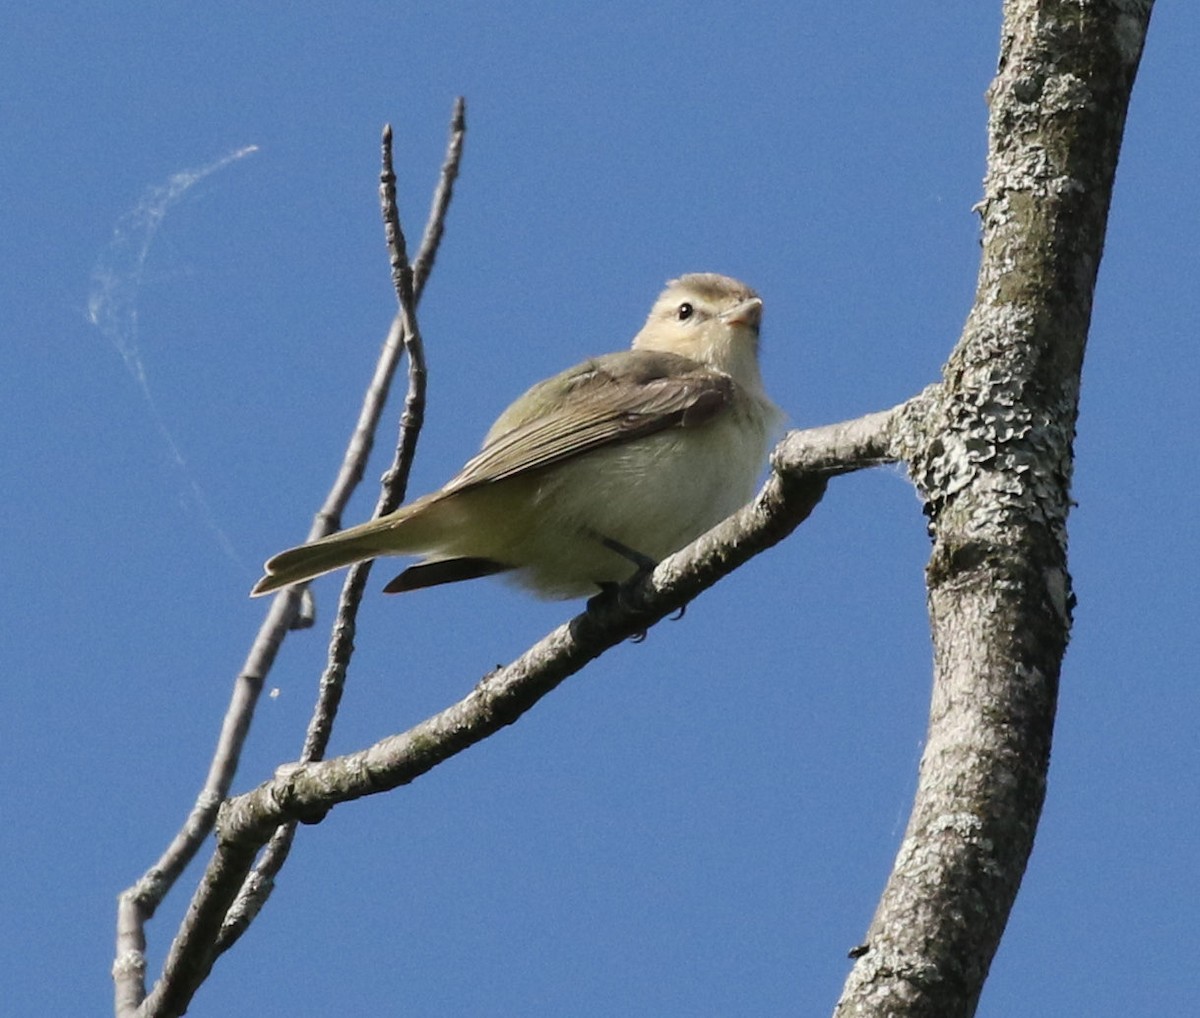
(290, 609)
(408, 283)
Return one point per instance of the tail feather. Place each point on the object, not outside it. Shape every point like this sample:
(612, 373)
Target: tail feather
(357, 544)
(445, 570)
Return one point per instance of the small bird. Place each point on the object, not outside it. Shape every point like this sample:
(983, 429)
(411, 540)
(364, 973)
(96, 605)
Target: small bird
(592, 476)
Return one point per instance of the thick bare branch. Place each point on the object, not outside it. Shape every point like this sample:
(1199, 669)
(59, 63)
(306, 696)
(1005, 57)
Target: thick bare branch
(994, 468)
(306, 791)
(886, 436)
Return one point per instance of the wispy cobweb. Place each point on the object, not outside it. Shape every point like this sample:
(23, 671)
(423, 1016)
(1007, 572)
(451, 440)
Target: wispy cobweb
(113, 308)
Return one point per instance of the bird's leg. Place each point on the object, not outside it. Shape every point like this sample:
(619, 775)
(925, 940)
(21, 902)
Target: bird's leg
(645, 566)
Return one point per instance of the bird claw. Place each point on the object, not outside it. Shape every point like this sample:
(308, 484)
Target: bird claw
(610, 593)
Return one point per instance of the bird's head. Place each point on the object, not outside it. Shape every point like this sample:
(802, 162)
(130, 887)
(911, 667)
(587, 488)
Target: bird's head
(710, 318)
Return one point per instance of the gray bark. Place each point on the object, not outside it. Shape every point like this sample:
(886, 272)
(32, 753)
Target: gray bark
(991, 454)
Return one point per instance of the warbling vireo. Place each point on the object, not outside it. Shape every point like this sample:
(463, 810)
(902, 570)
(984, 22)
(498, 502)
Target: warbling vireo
(597, 473)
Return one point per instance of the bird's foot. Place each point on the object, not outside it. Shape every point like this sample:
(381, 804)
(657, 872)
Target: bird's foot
(614, 593)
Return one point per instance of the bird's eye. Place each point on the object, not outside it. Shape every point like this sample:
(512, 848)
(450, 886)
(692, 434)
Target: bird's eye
(685, 311)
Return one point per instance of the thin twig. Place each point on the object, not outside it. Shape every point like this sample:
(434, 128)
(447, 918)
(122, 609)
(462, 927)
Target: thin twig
(413, 417)
(288, 610)
(435, 223)
(408, 285)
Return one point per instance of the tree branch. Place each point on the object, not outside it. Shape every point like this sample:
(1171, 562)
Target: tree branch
(307, 791)
(994, 469)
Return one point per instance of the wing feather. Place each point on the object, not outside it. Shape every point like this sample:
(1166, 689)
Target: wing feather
(607, 400)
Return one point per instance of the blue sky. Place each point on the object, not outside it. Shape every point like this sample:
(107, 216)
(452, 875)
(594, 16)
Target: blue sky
(698, 825)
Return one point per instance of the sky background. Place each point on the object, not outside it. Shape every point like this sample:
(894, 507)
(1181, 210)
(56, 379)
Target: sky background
(697, 825)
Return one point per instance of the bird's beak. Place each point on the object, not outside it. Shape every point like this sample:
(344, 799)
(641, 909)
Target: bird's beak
(747, 313)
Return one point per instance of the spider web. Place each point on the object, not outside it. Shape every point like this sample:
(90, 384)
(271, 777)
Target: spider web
(112, 307)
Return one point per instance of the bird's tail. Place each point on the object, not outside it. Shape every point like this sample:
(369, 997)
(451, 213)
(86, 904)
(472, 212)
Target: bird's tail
(387, 535)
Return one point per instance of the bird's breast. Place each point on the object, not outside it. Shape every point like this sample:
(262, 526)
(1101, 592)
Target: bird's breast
(656, 493)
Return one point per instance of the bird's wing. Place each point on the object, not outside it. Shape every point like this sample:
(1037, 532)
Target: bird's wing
(601, 402)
